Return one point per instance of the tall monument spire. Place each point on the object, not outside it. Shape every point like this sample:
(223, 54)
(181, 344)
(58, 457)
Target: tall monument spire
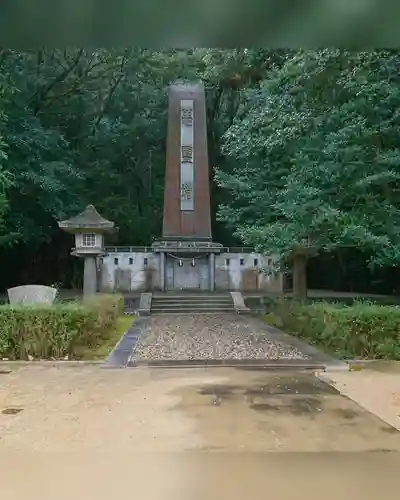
(186, 250)
(187, 187)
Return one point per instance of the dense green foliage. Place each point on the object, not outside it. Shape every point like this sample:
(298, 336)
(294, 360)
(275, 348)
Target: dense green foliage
(362, 330)
(57, 331)
(305, 144)
(316, 157)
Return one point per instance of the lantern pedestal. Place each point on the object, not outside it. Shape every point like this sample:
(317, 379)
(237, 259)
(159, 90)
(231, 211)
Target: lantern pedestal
(89, 276)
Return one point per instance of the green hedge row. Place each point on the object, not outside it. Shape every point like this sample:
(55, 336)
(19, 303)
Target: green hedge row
(56, 331)
(362, 330)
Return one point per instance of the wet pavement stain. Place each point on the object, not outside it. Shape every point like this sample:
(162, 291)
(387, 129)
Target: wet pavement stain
(346, 413)
(302, 405)
(223, 391)
(305, 406)
(300, 395)
(389, 429)
(292, 385)
(297, 406)
(12, 411)
(283, 385)
(279, 411)
(264, 407)
(382, 450)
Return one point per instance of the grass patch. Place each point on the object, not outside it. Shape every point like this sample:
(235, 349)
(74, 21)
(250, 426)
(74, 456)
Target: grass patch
(102, 348)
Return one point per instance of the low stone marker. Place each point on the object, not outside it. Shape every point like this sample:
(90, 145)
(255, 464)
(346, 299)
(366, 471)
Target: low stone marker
(238, 302)
(31, 295)
(145, 304)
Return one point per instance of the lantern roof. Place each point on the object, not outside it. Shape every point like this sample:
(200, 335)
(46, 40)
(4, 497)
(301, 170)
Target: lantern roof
(88, 219)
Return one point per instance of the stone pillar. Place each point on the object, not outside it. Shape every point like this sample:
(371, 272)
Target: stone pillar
(89, 276)
(162, 271)
(212, 271)
(187, 180)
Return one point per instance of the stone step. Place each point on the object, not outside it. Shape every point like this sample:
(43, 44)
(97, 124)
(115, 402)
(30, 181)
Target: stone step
(190, 307)
(192, 297)
(191, 302)
(198, 307)
(194, 311)
(189, 295)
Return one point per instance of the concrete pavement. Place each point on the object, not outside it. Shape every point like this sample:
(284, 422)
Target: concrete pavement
(88, 432)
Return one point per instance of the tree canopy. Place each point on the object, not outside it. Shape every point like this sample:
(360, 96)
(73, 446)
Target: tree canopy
(316, 159)
(304, 144)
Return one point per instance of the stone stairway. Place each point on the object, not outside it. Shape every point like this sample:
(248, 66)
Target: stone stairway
(192, 303)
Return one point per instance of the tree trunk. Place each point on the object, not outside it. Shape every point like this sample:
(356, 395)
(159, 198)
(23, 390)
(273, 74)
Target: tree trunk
(300, 277)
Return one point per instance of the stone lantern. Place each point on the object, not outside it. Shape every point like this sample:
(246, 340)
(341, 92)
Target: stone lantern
(88, 228)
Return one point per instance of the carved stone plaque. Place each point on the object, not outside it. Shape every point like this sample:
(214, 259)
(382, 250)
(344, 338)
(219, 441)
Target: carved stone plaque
(187, 156)
(187, 192)
(187, 116)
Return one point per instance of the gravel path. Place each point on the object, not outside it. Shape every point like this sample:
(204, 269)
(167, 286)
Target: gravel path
(209, 337)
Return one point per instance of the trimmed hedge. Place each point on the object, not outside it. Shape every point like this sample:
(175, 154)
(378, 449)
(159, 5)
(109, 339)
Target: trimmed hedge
(56, 331)
(362, 330)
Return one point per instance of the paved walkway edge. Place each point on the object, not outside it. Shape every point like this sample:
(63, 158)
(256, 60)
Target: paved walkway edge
(123, 351)
(244, 364)
(344, 391)
(49, 362)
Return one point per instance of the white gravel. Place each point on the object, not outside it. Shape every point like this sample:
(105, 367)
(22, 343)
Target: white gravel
(225, 336)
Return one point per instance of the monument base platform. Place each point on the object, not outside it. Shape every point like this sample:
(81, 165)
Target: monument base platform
(141, 269)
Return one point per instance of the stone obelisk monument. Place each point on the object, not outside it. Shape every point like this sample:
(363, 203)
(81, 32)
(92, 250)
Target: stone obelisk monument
(186, 249)
(187, 186)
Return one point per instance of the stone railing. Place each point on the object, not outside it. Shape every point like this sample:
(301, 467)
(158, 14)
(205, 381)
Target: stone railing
(237, 249)
(127, 249)
(148, 249)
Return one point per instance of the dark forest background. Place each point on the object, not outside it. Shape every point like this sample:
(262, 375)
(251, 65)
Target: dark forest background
(84, 126)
